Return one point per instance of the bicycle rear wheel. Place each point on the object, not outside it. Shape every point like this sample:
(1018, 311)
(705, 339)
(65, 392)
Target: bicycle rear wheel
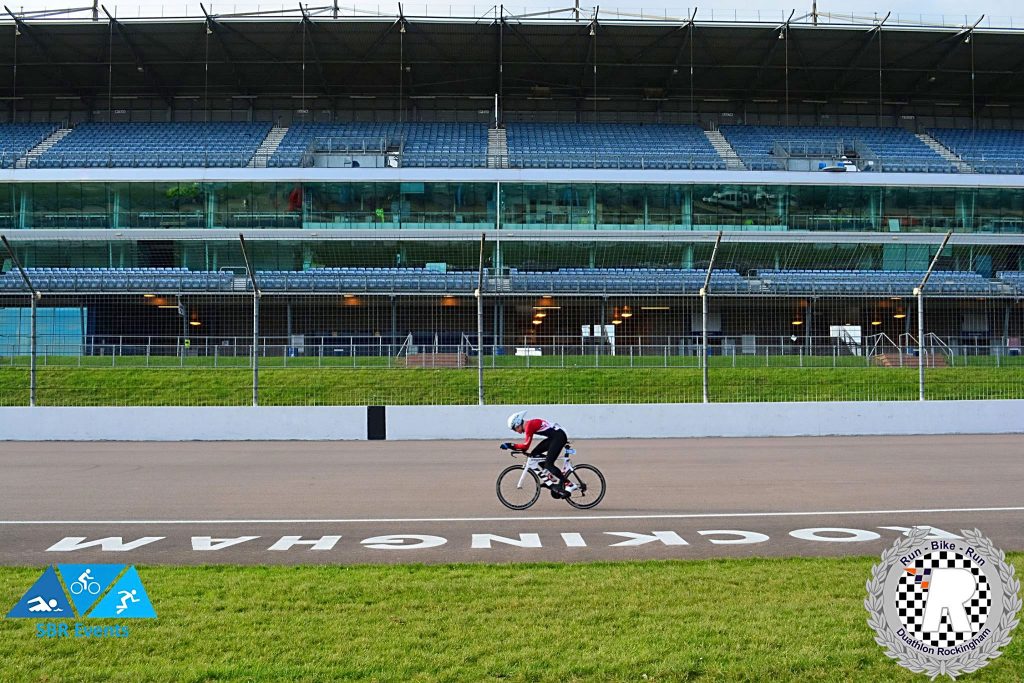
(511, 494)
(591, 487)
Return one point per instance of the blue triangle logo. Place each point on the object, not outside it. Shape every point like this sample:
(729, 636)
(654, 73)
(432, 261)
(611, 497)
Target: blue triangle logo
(126, 600)
(87, 582)
(44, 600)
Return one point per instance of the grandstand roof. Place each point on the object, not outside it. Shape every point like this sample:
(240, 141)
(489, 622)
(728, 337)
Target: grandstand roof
(541, 62)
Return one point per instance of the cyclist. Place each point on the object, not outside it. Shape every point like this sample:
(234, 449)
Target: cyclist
(554, 440)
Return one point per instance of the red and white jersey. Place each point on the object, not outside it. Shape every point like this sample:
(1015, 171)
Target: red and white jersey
(531, 427)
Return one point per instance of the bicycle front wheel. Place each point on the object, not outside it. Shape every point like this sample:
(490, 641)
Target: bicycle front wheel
(511, 493)
(591, 487)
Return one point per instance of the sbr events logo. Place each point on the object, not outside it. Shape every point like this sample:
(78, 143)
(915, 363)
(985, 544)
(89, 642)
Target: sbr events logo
(943, 607)
(84, 591)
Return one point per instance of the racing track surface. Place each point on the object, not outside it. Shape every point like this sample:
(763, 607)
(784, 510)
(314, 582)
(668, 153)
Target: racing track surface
(377, 502)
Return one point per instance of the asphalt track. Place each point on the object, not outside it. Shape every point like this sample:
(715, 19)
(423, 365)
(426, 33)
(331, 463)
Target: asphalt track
(388, 502)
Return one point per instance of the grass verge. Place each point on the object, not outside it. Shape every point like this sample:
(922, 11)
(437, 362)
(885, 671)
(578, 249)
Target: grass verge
(204, 386)
(756, 619)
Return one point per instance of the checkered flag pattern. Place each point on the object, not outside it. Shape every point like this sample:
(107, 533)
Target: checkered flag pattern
(912, 597)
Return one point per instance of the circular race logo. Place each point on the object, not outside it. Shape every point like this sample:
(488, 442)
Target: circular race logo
(943, 607)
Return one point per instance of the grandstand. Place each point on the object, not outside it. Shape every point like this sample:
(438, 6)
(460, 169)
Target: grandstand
(600, 156)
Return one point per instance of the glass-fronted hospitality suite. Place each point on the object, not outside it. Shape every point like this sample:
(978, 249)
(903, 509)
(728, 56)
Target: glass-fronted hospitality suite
(247, 204)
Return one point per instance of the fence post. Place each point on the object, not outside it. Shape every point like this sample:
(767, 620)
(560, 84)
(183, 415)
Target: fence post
(920, 343)
(255, 349)
(255, 323)
(480, 324)
(32, 359)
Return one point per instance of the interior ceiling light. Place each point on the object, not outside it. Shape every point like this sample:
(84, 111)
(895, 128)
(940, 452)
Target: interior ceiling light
(537, 322)
(797, 322)
(540, 314)
(876, 322)
(655, 308)
(194, 323)
(616, 322)
(900, 316)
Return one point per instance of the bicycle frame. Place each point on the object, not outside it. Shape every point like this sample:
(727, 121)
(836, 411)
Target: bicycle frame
(533, 463)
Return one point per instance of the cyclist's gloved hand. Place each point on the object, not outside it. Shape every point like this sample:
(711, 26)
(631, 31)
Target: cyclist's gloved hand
(507, 446)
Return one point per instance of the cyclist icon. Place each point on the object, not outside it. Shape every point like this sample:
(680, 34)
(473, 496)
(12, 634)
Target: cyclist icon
(85, 583)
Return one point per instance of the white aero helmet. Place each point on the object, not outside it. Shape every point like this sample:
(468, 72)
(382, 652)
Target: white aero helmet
(516, 419)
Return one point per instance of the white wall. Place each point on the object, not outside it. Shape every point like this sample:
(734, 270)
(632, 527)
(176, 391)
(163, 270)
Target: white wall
(488, 422)
(181, 424)
(716, 419)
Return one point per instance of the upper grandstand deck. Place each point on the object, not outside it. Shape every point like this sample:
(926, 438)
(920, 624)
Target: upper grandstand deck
(550, 145)
(333, 65)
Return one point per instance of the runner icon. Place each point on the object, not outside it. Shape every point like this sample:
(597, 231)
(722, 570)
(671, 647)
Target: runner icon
(37, 604)
(126, 597)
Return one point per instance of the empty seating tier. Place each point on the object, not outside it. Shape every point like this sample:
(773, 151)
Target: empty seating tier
(763, 148)
(101, 145)
(676, 281)
(421, 144)
(16, 139)
(988, 151)
(610, 145)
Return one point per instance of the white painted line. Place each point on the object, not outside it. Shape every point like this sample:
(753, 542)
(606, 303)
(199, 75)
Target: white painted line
(709, 515)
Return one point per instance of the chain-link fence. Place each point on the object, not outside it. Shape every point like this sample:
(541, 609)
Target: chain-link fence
(391, 322)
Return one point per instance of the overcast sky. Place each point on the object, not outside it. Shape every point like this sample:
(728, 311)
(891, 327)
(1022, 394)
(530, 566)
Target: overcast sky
(998, 12)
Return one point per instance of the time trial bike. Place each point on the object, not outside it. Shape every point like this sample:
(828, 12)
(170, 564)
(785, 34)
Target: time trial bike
(519, 486)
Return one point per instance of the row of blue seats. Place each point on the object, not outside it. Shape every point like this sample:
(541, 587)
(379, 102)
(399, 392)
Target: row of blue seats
(893, 288)
(136, 160)
(628, 146)
(428, 144)
(156, 144)
(417, 138)
(867, 273)
(112, 279)
(995, 151)
(16, 139)
(897, 148)
(818, 274)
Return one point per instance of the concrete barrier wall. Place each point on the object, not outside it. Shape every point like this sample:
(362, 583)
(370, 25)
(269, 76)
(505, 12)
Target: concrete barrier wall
(716, 419)
(182, 424)
(488, 422)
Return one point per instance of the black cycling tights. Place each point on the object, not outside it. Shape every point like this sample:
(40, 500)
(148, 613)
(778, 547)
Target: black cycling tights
(553, 443)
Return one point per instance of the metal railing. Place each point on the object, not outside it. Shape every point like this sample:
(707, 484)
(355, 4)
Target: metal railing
(441, 158)
(667, 350)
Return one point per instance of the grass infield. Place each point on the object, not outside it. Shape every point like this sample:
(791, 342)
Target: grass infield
(301, 386)
(749, 620)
